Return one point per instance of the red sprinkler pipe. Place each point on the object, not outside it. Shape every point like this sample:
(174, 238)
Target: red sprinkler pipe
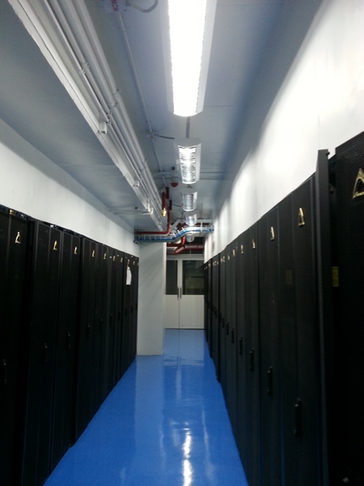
(182, 248)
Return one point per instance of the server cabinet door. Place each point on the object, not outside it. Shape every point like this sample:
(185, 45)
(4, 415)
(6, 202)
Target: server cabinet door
(215, 312)
(287, 317)
(100, 328)
(84, 393)
(231, 363)
(119, 263)
(307, 404)
(43, 325)
(126, 313)
(350, 236)
(269, 348)
(64, 377)
(109, 315)
(134, 308)
(242, 369)
(210, 305)
(222, 334)
(13, 251)
(252, 356)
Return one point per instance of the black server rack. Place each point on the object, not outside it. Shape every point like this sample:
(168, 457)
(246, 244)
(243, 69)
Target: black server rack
(64, 375)
(100, 328)
(42, 322)
(84, 404)
(231, 357)
(248, 431)
(222, 333)
(269, 348)
(107, 371)
(349, 183)
(215, 292)
(13, 260)
(252, 355)
(118, 311)
(307, 403)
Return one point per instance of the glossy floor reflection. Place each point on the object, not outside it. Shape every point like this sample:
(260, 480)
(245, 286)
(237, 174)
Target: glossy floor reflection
(164, 424)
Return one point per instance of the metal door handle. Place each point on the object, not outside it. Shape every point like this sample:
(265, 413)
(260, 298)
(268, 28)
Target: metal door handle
(297, 418)
(45, 353)
(251, 355)
(4, 367)
(68, 340)
(270, 381)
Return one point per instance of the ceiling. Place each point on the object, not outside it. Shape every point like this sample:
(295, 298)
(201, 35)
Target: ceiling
(38, 105)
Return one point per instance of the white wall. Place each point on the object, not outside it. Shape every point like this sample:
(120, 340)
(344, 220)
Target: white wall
(319, 105)
(152, 282)
(33, 184)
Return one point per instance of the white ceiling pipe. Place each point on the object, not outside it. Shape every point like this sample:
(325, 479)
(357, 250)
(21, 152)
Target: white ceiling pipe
(69, 41)
(101, 103)
(123, 124)
(97, 49)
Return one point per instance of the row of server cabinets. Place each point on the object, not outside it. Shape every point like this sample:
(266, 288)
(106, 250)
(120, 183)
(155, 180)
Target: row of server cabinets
(68, 319)
(284, 322)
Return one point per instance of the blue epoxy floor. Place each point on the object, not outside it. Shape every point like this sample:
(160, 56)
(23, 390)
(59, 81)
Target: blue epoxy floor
(164, 424)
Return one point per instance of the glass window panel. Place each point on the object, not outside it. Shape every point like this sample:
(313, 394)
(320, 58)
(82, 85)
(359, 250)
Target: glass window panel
(193, 277)
(171, 277)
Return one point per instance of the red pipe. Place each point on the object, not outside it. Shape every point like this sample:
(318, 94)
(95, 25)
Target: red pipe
(182, 248)
(183, 239)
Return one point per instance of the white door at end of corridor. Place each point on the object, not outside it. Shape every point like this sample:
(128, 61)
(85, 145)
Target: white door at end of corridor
(184, 300)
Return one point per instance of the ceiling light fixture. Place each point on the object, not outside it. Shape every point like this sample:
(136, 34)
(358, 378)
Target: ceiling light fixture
(190, 28)
(188, 158)
(189, 201)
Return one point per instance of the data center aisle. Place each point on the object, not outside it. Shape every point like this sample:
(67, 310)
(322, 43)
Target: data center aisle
(164, 424)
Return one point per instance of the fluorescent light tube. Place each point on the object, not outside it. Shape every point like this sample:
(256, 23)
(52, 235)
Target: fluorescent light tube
(190, 28)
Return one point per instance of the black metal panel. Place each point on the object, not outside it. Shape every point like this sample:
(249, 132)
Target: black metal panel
(134, 307)
(328, 301)
(109, 320)
(222, 331)
(307, 404)
(215, 311)
(13, 252)
(269, 348)
(100, 328)
(85, 336)
(252, 356)
(127, 295)
(64, 377)
(43, 322)
(209, 304)
(350, 236)
(288, 341)
(118, 309)
(241, 323)
(231, 348)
